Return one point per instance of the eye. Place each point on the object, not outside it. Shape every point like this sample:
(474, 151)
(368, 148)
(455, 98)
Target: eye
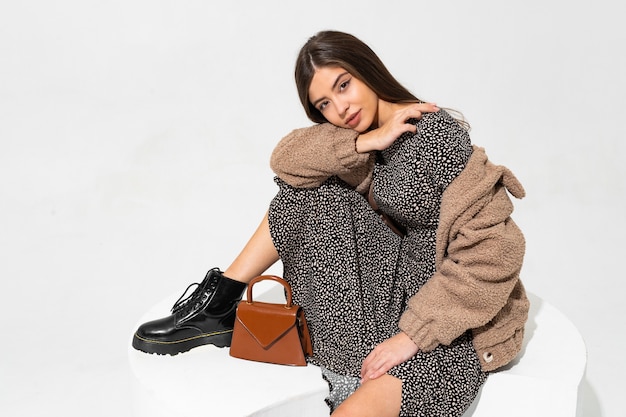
(322, 105)
(344, 85)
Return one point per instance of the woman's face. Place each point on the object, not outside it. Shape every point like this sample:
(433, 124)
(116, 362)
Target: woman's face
(343, 99)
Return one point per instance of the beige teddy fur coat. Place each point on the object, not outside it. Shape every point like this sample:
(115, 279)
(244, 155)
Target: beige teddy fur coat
(479, 249)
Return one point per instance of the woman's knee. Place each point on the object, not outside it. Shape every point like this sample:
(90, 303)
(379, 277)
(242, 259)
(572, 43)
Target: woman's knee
(380, 397)
(343, 412)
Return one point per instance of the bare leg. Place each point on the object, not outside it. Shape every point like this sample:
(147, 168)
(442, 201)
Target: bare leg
(256, 257)
(209, 312)
(380, 397)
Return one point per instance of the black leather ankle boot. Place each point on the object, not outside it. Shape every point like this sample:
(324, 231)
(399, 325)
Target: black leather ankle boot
(207, 316)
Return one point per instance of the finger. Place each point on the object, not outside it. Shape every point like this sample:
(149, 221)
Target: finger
(365, 366)
(377, 371)
(371, 363)
(415, 114)
(376, 361)
(364, 370)
(427, 107)
(410, 127)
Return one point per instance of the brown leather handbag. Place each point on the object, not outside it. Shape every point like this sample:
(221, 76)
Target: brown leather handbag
(268, 332)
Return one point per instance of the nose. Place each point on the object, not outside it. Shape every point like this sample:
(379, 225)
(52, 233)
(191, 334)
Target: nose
(342, 107)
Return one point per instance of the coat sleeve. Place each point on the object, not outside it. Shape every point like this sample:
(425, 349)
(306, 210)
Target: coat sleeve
(474, 275)
(307, 157)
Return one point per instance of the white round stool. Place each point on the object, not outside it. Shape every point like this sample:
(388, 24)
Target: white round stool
(206, 381)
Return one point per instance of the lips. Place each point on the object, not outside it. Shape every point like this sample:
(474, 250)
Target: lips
(354, 119)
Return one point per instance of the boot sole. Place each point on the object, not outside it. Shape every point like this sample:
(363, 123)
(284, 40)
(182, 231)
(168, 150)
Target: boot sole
(219, 339)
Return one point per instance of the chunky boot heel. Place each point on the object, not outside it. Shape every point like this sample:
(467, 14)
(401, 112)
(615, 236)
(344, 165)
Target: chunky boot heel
(206, 317)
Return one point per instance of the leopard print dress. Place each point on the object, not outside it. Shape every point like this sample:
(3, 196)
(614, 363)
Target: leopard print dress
(353, 275)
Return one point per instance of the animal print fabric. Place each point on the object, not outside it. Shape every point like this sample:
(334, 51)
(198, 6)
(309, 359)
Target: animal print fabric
(353, 275)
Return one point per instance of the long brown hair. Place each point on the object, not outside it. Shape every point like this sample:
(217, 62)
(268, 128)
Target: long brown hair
(339, 49)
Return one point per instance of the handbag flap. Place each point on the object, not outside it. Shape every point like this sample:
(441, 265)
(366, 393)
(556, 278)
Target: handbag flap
(266, 322)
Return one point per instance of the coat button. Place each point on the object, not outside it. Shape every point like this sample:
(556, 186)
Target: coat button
(488, 357)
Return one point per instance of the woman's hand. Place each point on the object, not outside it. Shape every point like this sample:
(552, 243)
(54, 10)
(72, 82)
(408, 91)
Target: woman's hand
(388, 354)
(383, 136)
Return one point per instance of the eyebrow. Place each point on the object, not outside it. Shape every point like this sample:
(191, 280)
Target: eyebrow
(333, 87)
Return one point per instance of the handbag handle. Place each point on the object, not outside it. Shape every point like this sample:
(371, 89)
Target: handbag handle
(270, 278)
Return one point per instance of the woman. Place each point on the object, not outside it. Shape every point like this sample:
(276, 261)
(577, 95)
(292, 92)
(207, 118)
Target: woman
(406, 324)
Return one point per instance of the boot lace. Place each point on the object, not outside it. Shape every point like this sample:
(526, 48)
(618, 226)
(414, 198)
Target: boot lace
(183, 306)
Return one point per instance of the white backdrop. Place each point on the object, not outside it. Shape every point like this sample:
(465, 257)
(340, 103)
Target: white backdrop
(135, 137)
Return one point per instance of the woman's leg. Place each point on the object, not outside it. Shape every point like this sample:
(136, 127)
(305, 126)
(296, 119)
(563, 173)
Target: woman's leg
(256, 257)
(207, 316)
(380, 397)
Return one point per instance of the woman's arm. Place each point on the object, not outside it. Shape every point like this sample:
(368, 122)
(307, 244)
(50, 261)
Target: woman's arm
(309, 156)
(480, 251)
(479, 257)
(398, 123)
(470, 287)
(306, 158)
